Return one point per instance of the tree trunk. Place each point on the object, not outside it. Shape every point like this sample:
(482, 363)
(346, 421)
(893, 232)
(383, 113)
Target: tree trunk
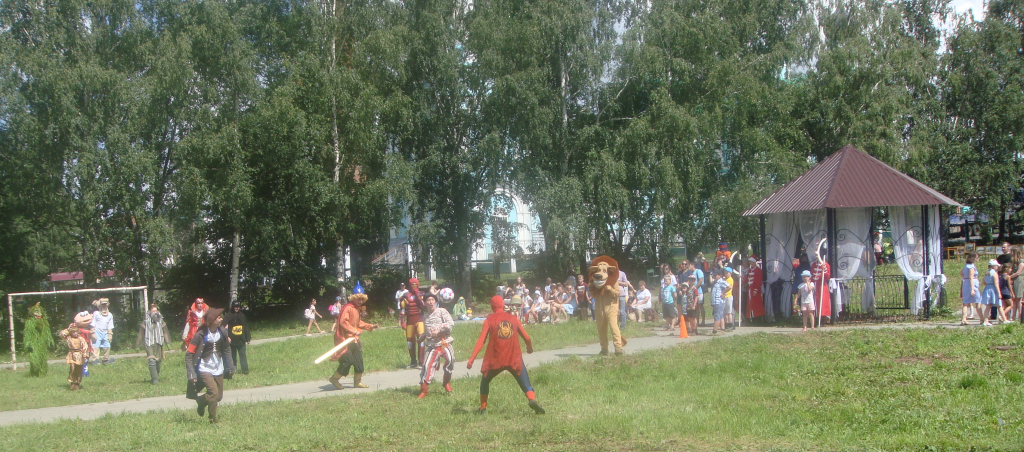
(236, 251)
(465, 277)
(336, 141)
(340, 255)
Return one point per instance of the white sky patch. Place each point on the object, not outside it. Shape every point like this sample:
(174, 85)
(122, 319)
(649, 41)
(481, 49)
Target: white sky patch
(977, 7)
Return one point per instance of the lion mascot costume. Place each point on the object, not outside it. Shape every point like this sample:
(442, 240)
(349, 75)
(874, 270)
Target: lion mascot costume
(604, 287)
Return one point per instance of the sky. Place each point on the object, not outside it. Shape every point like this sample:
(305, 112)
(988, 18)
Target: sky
(976, 6)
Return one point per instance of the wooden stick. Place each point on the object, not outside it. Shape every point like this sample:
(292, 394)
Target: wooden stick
(821, 293)
(333, 350)
(739, 291)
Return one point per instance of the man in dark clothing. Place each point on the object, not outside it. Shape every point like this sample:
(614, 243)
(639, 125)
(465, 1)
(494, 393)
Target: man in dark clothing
(238, 336)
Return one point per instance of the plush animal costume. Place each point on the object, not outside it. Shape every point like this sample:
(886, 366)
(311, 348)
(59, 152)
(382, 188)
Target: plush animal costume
(604, 288)
(38, 340)
(102, 329)
(349, 325)
(83, 321)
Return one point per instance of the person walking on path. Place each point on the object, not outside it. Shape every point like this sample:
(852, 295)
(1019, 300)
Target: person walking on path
(503, 353)
(312, 314)
(154, 335)
(239, 336)
(437, 342)
(970, 289)
(208, 362)
(349, 325)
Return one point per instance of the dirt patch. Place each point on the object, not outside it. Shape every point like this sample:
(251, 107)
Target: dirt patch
(1003, 348)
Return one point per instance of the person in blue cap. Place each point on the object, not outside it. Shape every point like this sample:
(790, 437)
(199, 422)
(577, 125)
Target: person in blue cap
(349, 325)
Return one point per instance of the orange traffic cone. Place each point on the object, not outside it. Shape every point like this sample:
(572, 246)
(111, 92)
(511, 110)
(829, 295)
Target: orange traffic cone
(682, 328)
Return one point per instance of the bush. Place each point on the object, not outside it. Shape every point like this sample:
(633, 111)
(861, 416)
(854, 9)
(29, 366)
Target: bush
(380, 284)
(485, 286)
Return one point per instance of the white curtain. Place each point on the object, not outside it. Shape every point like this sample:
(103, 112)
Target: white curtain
(908, 239)
(854, 258)
(778, 265)
(812, 231)
(935, 279)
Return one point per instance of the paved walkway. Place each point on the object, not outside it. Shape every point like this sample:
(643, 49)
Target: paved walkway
(377, 381)
(24, 365)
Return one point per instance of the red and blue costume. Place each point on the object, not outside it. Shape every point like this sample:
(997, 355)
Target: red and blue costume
(503, 353)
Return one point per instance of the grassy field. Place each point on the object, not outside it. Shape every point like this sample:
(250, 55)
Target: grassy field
(271, 363)
(894, 389)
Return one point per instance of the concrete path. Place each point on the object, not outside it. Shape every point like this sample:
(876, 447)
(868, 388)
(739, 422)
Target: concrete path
(24, 365)
(377, 381)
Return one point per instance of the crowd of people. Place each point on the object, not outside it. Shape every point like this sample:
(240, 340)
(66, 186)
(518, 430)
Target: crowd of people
(1000, 299)
(681, 295)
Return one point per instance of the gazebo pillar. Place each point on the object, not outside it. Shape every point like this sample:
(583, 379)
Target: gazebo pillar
(926, 269)
(765, 295)
(833, 254)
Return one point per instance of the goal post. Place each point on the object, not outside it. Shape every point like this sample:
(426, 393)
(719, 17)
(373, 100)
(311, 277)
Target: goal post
(10, 306)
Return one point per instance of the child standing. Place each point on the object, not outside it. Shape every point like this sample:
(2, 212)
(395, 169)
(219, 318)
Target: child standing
(691, 304)
(668, 303)
(78, 347)
(806, 292)
(991, 296)
(1006, 291)
(718, 288)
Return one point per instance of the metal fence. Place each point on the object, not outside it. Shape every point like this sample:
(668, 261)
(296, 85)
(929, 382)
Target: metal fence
(892, 296)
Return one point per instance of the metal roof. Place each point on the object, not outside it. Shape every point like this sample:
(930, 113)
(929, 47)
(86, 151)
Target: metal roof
(849, 178)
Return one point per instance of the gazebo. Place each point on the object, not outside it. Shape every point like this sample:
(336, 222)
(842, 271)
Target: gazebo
(835, 202)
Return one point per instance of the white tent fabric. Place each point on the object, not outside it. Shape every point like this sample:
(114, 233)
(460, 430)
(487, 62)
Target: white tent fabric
(854, 258)
(812, 231)
(781, 246)
(909, 248)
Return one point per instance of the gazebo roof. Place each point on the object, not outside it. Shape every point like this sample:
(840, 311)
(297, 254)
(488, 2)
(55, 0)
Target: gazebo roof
(849, 178)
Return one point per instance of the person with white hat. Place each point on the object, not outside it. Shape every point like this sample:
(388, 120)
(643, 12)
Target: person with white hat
(991, 295)
(806, 292)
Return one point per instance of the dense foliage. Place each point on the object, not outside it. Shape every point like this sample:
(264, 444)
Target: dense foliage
(188, 144)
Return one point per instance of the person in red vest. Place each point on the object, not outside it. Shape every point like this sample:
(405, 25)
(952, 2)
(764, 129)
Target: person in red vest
(755, 297)
(194, 319)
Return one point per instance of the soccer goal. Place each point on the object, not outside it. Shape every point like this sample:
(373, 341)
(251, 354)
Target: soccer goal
(11, 296)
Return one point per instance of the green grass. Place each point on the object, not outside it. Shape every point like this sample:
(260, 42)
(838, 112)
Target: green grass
(273, 363)
(834, 390)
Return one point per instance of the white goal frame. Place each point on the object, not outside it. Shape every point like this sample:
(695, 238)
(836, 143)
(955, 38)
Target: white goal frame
(10, 306)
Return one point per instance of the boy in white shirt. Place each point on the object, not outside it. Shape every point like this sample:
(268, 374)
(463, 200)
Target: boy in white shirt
(103, 329)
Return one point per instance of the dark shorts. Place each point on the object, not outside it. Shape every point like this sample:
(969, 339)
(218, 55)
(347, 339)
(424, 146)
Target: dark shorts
(669, 311)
